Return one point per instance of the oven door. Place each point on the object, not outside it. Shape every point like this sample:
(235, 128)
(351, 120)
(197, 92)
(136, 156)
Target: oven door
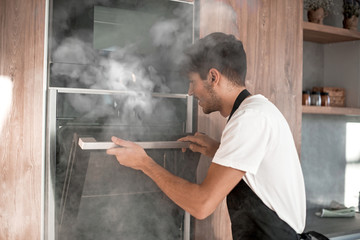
(90, 195)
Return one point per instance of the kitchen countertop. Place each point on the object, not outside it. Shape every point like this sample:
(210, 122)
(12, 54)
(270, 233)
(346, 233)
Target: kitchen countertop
(334, 228)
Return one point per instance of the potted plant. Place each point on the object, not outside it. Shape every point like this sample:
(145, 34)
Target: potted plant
(318, 9)
(351, 11)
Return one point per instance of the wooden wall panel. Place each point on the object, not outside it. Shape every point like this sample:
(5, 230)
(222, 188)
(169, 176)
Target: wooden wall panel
(22, 29)
(272, 37)
(271, 32)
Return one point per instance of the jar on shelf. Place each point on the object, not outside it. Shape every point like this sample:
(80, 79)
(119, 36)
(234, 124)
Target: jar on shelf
(306, 99)
(316, 98)
(325, 99)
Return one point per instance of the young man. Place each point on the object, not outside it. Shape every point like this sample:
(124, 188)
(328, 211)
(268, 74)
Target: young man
(255, 166)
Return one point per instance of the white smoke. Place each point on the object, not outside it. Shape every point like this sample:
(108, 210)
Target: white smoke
(120, 70)
(78, 64)
(73, 50)
(6, 93)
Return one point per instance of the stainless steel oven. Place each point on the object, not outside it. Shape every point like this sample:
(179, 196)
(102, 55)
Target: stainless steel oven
(114, 70)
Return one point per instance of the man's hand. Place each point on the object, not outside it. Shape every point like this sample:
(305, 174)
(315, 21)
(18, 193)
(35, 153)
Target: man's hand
(129, 154)
(201, 143)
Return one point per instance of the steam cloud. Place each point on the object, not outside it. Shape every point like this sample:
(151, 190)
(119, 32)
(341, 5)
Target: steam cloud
(77, 64)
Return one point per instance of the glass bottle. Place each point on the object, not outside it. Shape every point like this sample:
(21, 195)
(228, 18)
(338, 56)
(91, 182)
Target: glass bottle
(315, 99)
(325, 99)
(306, 100)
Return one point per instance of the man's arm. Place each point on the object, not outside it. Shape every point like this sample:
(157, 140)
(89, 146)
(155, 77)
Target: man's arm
(200, 200)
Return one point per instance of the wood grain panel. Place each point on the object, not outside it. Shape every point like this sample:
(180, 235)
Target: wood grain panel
(21, 59)
(271, 32)
(272, 37)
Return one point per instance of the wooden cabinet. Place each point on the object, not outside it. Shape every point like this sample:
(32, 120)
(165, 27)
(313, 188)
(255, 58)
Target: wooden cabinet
(272, 37)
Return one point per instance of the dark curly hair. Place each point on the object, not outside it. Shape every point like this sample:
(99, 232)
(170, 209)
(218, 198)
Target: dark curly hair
(220, 51)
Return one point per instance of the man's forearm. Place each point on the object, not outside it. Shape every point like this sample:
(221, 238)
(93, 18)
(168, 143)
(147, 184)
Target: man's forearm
(189, 196)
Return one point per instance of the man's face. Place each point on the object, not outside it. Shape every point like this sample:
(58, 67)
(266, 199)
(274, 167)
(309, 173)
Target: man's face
(203, 91)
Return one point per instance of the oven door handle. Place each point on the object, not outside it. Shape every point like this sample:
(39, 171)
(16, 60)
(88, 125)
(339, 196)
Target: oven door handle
(90, 143)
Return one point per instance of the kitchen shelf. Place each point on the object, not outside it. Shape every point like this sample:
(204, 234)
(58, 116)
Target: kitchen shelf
(319, 33)
(331, 110)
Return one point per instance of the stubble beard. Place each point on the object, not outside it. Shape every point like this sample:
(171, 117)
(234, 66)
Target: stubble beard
(213, 103)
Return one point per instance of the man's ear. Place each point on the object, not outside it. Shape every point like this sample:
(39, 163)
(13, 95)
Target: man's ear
(214, 75)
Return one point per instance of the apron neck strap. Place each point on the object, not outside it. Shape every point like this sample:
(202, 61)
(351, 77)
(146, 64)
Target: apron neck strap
(240, 98)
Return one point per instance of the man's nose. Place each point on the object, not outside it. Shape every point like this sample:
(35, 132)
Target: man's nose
(190, 91)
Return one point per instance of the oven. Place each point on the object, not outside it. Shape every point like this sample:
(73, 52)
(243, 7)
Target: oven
(114, 71)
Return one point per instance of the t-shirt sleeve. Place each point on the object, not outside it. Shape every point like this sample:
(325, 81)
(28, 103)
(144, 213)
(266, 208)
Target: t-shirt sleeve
(244, 142)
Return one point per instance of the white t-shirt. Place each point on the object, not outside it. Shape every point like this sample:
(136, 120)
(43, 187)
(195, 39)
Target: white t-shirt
(257, 139)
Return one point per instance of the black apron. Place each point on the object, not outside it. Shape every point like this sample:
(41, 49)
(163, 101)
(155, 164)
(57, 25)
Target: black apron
(250, 218)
